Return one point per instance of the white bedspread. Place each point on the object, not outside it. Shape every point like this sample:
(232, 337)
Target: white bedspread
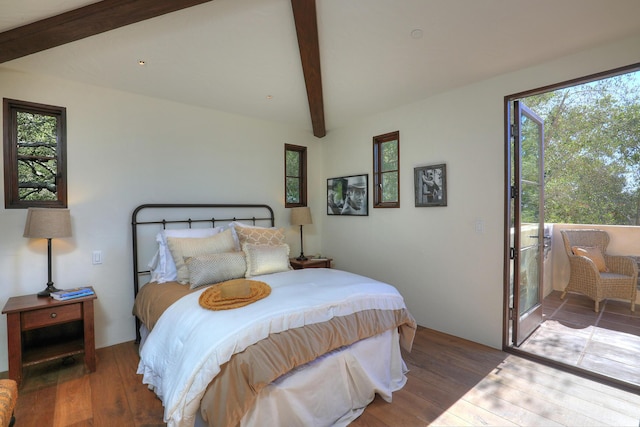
(187, 346)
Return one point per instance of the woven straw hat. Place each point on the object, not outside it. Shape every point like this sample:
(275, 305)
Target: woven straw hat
(234, 294)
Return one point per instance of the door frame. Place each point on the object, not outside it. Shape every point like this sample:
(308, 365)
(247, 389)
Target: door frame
(506, 333)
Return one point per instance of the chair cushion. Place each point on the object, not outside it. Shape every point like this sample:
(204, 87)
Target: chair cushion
(594, 254)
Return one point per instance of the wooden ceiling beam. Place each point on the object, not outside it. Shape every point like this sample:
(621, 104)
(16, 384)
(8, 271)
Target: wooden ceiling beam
(83, 22)
(304, 14)
(108, 15)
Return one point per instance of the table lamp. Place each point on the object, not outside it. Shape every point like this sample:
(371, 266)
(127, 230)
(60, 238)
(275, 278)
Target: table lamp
(301, 216)
(47, 223)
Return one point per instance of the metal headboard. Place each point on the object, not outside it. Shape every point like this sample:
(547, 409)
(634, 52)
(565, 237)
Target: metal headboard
(154, 216)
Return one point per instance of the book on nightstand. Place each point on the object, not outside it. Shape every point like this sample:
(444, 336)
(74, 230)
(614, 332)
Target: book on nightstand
(66, 294)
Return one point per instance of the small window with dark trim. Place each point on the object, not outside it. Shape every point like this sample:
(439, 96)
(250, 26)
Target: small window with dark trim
(35, 171)
(295, 176)
(386, 170)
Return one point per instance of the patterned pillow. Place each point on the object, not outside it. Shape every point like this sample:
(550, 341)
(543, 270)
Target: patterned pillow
(266, 259)
(182, 248)
(214, 268)
(260, 236)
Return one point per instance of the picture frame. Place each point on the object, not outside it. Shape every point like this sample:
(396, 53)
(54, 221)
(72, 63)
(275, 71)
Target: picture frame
(348, 195)
(430, 184)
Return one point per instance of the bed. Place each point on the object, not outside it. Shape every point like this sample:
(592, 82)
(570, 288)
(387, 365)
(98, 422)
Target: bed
(296, 347)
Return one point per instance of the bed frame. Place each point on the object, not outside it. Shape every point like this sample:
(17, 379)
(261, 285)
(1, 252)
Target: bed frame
(148, 219)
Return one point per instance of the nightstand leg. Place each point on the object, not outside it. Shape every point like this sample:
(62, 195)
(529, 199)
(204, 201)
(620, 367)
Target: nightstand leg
(14, 339)
(89, 336)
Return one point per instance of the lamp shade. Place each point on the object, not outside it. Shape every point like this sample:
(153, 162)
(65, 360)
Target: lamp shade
(47, 223)
(301, 216)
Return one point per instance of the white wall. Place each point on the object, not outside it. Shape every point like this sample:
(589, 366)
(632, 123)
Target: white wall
(125, 150)
(450, 276)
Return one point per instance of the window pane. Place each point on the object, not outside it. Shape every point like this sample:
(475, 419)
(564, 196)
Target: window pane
(295, 176)
(389, 156)
(390, 187)
(293, 190)
(386, 170)
(293, 163)
(37, 156)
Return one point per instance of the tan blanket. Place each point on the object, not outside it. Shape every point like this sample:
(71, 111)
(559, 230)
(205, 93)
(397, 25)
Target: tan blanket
(154, 298)
(234, 390)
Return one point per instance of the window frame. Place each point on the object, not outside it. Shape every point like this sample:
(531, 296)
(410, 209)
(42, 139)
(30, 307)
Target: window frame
(11, 194)
(378, 172)
(302, 177)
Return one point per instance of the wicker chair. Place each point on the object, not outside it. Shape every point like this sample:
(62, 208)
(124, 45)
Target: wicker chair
(620, 281)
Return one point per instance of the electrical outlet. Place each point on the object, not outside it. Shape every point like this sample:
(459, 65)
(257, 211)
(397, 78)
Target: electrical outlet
(96, 257)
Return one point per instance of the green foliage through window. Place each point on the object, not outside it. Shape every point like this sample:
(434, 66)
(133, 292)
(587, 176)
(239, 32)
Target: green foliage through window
(592, 151)
(34, 155)
(295, 175)
(386, 170)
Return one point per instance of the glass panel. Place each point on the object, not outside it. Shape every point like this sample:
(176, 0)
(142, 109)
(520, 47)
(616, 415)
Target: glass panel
(530, 150)
(529, 271)
(390, 187)
(293, 190)
(37, 156)
(389, 156)
(530, 203)
(293, 163)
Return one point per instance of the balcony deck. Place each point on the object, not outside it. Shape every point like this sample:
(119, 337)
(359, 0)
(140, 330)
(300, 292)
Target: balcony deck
(607, 343)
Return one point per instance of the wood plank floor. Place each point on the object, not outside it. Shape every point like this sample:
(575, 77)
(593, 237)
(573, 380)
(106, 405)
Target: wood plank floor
(452, 382)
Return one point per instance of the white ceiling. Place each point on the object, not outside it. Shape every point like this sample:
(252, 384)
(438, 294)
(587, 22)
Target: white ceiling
(230, 55)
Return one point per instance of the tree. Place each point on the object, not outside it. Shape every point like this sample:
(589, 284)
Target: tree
(37, 156)
(592, 151)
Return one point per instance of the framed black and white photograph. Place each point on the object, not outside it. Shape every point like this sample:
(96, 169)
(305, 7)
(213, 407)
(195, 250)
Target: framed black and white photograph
(348, 195)
(430, 185)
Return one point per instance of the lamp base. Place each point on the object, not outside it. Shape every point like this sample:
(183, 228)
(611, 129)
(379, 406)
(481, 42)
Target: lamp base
(48, 290)
(302, 258)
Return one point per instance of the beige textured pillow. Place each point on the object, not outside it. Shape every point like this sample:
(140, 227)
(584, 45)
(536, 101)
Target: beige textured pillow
(260, 236)
(266, 259)
(214, 268)
(594, 254)
(182, 248)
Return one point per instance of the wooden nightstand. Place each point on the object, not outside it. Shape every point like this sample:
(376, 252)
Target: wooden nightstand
(41, 329)
(310, 263)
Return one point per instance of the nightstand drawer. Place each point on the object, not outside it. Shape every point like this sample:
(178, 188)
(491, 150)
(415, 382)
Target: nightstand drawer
(310, 263)
(51, 316)
(322, 264)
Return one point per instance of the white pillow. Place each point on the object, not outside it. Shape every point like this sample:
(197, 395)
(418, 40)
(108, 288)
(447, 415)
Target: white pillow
(163, 268)
(264, 259)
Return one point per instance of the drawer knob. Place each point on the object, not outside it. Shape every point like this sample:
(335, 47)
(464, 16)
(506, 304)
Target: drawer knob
(54, 315)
